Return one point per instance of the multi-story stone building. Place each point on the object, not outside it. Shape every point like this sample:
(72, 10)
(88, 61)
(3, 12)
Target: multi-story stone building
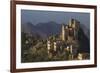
(70, 31)
(67, 38)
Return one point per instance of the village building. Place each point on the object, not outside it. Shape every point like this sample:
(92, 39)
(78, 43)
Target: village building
(68, 38)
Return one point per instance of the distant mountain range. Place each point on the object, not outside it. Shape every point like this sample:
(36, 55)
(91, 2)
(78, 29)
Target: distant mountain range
(42, 29)
(48, 28)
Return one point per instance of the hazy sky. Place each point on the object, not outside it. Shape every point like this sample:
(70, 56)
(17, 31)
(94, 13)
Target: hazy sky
(36, 16)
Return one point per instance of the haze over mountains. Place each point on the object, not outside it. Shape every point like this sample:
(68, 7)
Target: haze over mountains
(42, 29)
(36, 16)
(47, 29)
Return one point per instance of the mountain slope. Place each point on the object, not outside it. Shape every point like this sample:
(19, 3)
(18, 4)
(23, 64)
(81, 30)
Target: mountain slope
(42, 29)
